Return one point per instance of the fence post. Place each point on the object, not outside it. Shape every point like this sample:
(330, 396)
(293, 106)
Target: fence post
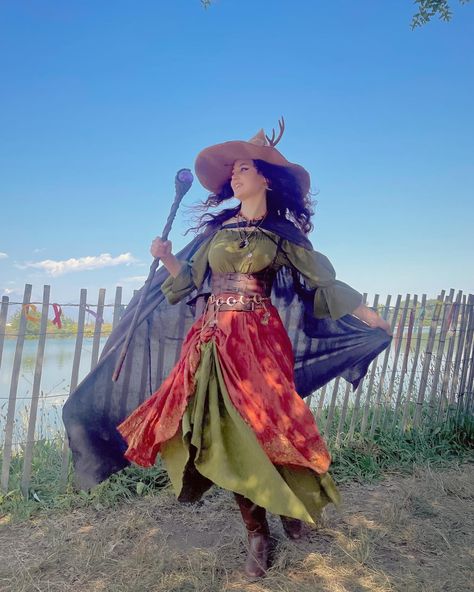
(398, 347)
(117, 307)
(439, 352)
(461, 334)
(7, 447)
(375, 415)
(99, 319)
(448, 367)
(30, 438)
(3, 324)
(467, 358)
(74, 378)
(406, 355)
(370, 388)
(419, 337)
(427, 360)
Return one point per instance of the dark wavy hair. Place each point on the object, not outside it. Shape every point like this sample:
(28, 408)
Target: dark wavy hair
(285, 200)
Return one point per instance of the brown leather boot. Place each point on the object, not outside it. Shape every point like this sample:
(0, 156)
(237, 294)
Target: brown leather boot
(292, 527)
(258, 536)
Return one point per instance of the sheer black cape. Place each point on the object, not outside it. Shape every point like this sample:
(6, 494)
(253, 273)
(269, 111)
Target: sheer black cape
(323, 349)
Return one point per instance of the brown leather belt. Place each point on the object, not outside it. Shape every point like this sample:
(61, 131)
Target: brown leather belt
(238, 302)
(249, 284)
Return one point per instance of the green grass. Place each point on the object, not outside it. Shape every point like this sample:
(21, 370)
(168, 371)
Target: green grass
(46, 491)
(362, 459)
(365, 459)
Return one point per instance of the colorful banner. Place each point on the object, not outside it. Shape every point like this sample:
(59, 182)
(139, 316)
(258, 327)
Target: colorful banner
(57, 315)
(29, 317)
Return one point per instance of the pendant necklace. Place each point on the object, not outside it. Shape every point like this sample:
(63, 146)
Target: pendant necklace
(245, 237)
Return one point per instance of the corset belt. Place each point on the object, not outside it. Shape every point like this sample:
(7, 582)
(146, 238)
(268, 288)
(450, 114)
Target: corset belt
(248, 284)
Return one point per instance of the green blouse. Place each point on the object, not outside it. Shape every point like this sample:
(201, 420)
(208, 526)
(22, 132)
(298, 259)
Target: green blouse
(221, 253)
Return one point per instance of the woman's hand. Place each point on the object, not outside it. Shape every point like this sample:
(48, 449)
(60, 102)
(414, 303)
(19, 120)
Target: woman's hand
(161, 249)
(373, 319)
(383, 324)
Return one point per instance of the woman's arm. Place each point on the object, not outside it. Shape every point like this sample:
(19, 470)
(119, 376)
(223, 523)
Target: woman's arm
(162, 249)
(332, 297)
(373, 319)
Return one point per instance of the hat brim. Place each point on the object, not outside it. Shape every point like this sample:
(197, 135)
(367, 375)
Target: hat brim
(213, 165)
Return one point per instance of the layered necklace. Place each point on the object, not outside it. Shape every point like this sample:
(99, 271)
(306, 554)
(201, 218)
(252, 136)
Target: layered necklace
(246, 235)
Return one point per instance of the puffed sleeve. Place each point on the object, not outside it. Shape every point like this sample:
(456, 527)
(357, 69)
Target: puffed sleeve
(332, 297)
(191, 276)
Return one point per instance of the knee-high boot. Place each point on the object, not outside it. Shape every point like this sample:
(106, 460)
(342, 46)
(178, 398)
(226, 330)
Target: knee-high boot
(258, 536)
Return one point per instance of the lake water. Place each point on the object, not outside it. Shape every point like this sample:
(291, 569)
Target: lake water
(55, 383)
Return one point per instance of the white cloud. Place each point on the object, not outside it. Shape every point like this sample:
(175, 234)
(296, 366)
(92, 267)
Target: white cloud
(3, 255)
(56, 268)
(134, 279)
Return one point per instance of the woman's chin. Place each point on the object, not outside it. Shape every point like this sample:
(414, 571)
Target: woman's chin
(240, 196)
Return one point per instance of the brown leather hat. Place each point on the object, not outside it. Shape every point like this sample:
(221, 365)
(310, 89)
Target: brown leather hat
(213, 165)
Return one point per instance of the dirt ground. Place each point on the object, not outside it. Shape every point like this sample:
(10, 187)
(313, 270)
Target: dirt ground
(405, 533)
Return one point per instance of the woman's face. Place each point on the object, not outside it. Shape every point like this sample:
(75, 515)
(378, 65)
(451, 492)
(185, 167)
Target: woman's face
(246, 181)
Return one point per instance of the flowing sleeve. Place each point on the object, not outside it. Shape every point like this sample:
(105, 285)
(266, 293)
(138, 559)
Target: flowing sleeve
(332, 298)
(191, 276)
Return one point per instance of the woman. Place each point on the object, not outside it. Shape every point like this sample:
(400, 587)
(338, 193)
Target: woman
(229, 413)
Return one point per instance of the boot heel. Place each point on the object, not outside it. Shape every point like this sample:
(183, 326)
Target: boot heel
(292, 527)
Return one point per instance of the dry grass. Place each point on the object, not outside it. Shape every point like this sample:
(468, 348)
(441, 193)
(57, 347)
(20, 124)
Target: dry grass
(406, 534)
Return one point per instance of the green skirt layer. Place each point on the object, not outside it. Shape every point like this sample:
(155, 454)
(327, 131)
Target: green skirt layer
(216, 446)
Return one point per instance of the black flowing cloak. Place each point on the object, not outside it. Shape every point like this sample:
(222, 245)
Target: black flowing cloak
(323, 349)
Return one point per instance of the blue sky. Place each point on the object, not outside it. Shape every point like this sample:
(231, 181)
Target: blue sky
(101, 103)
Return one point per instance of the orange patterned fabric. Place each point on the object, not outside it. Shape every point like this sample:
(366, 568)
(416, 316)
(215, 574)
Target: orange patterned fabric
(256, 360)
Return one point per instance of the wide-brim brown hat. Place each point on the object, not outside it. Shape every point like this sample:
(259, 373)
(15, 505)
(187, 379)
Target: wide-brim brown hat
(213, 165)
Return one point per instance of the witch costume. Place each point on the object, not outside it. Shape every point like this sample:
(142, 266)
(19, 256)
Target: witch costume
(215, 385)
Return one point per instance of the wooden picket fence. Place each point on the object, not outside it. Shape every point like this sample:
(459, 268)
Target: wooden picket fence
(425, 378)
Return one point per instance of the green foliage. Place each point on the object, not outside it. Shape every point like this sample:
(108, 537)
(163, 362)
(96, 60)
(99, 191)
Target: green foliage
(427, 9)
(33, 326)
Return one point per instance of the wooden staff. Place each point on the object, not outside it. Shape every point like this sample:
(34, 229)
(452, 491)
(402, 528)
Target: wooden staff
(183, 182)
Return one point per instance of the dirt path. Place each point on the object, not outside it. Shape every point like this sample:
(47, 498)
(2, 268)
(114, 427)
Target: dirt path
(405, 534)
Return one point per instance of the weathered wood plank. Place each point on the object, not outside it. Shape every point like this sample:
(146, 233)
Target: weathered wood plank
(117, 307)
(10, 422)
(449, 364)
(76, 363)
(30, 438)
(3, 323)
(99, 320)
(427, 359)
(403, 370)
(398, 346)
(373, 371)
(376, 411)
(433, 401)
(419, 336)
